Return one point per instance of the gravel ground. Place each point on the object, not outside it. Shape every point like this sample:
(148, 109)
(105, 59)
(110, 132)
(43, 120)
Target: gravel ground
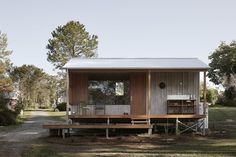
(12, 142)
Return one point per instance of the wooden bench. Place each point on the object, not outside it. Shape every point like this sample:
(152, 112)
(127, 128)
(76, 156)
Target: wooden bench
(62, 127)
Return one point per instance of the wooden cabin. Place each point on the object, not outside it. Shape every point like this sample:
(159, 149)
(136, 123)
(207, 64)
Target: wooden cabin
(134, 90)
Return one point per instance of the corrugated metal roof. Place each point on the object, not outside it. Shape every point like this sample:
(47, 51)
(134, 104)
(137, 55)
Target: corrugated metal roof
(135, 63)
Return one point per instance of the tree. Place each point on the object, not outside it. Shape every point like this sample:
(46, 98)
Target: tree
(59, 82)
(223, 63)
(5, 80)
(68, 41)
(223, 67)
(7, 116)
(36, 87)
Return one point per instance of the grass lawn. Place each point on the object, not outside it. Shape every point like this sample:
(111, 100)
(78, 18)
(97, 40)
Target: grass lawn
(221, 141)
(57, 116)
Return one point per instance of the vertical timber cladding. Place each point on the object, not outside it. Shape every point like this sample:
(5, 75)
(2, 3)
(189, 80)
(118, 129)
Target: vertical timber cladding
(138, 93)
(177, 83)
(78, 88)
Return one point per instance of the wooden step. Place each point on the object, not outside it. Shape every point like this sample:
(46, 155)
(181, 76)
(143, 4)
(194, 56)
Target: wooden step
(139, 122)
(138, 118)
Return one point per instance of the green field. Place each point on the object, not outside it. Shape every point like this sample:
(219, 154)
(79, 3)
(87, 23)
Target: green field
(221, 141)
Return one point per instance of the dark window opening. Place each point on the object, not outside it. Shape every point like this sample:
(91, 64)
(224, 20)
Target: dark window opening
(109, 92)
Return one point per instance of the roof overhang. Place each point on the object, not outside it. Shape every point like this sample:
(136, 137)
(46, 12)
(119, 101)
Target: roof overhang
(136, 64)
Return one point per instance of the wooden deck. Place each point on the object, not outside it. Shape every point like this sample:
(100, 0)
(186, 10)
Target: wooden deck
(123, 122)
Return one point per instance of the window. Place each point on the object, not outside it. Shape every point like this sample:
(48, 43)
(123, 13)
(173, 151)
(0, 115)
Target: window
(109, 92)
(120, 89)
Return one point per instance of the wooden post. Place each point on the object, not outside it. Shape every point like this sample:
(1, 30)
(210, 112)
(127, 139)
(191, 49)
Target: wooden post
(204, 128)
(149, 92)
(167, 128)
(107, 130)
(204, 94)
(63, 133)
(149, 101)
(67, 94)
(177, 126)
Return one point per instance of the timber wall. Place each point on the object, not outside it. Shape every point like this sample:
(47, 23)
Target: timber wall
(177, 83)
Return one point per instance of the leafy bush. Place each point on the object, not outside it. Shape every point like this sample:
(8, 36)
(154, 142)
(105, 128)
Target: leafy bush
(230, 93)
(212, 96)
(20, 106)
(230, 103)
(43, 107)
(61, 106)
(228, 98)
(7, 117)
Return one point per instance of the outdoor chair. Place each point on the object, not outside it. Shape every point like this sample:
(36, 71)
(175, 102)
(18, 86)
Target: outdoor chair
(83, 108)
(99, 109)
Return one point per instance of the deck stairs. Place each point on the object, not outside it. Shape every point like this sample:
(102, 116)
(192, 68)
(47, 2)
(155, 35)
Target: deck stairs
(139, 121)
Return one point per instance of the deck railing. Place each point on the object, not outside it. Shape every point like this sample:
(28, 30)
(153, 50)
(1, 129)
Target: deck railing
(100, 109)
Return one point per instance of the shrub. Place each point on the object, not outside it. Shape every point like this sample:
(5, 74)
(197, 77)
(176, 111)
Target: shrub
(61, 106)
(20, 106)
(230, 103)
(230, 93)
(43, 107)
(7, 117)
(212, 96)
(229, 97)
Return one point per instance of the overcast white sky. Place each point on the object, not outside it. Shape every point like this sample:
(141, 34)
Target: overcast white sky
(125, 28)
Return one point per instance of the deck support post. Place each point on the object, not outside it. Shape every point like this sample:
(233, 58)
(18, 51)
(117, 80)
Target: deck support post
(68, 131)
(196, 127)
(166, 129)
(150, 128)
(203, 128)
(177, 126)
(107, 133)
(167, 126)
(63, 133)
(58, 132)
(107, 130)
(155, 127)
(149, 131)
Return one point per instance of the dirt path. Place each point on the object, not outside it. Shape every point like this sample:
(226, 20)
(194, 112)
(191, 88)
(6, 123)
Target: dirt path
(11, 143)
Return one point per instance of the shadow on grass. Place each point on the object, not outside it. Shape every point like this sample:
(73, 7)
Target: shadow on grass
(42, 151)
(157, 144)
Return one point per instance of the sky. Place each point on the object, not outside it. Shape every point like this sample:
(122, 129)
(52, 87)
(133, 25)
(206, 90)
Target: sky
(125, 28)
